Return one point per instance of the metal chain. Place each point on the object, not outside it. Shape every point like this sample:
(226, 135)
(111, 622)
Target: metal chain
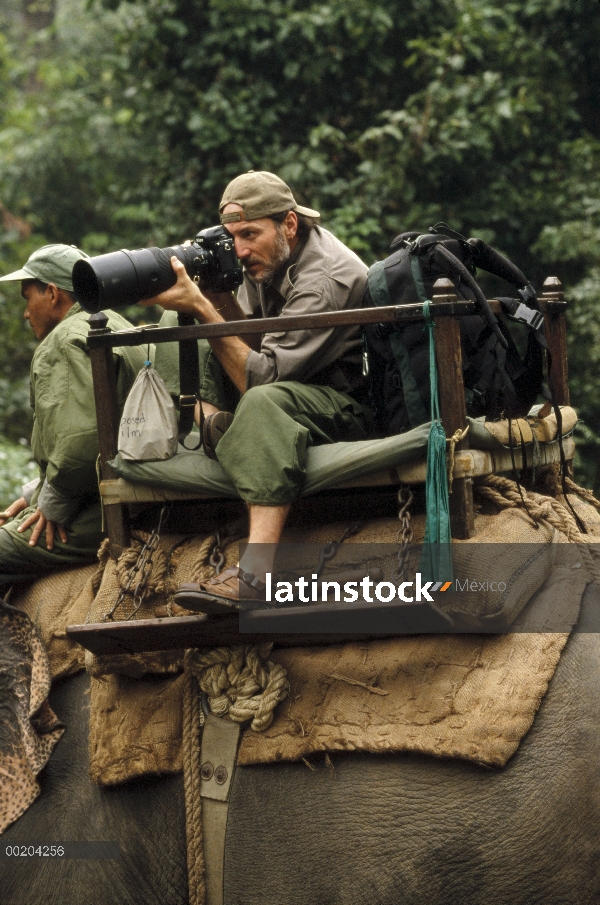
(217, 557)
(404, 537)
(329, 551)
(143, 567)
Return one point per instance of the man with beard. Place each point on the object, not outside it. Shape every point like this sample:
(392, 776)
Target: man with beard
(295, 389)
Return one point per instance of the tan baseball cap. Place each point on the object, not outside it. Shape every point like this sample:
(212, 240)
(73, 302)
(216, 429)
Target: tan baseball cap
(259, 195)
(50, 264)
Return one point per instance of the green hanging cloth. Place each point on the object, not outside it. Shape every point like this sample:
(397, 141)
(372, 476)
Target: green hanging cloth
(436, 558)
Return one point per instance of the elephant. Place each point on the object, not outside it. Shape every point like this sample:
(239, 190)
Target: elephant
(369, 830)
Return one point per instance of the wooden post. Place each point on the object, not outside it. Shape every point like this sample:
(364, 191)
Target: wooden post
(107, 416)
(452, 404)
(556, 334)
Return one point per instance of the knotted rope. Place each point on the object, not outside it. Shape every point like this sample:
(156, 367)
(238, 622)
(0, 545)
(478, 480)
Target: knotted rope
(200, 567)
(505, 494)
(242, 683)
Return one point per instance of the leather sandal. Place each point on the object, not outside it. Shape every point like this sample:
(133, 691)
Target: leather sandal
(213, 428)
(233, 589)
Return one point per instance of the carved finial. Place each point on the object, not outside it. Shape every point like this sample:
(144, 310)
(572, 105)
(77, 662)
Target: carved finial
(98, 321)
(552, 284)
(444, 290)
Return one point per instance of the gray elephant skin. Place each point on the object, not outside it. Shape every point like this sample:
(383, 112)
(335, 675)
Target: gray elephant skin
(374, 830)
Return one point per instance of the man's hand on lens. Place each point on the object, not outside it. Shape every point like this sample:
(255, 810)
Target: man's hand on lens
(184, 296)
(13, 510)
(40, 521)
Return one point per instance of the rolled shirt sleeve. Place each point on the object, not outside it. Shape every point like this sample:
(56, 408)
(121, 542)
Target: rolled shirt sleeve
(57, 506)
(28, 490)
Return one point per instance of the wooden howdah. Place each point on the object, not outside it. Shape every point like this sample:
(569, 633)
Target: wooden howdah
(445, 308)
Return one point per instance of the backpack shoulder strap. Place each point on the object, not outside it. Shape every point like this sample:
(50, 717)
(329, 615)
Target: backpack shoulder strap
(378, 286)
(380, 294)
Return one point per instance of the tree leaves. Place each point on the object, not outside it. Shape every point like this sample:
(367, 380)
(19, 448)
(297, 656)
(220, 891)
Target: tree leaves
(121, 124)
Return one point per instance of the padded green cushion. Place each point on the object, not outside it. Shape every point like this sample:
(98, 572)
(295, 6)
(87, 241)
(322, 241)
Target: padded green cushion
(192, 472)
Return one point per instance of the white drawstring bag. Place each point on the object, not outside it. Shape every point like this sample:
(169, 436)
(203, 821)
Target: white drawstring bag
(149, 431)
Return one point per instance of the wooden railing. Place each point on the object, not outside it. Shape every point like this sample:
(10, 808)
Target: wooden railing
(445, 309)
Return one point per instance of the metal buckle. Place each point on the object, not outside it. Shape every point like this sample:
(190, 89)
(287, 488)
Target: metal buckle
(187, 401)
(529, 316)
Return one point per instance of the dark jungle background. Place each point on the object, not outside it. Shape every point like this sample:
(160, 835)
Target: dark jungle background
(121, 122)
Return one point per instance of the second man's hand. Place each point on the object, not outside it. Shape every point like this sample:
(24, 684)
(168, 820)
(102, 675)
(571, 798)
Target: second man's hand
(40, 521)
(13, 510)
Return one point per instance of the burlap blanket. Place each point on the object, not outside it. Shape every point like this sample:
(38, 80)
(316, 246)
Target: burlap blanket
(29, 729)
(55, 601)
(469, 696)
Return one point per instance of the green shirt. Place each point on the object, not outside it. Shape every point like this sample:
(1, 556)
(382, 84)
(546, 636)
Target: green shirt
(64, 441)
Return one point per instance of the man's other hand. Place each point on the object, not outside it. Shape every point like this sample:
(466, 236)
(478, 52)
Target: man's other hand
(40, 521)
(13, 510)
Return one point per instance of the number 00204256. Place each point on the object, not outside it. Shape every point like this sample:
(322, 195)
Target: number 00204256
(34, 851)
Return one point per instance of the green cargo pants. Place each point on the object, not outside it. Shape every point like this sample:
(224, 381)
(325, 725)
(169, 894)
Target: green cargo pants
(264, 452)
(19, 562)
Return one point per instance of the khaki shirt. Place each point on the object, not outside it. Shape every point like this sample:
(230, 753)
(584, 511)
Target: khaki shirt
(322, 275)
(64, 441)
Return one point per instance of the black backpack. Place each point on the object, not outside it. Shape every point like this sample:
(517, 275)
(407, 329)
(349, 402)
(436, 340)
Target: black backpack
(498, 381)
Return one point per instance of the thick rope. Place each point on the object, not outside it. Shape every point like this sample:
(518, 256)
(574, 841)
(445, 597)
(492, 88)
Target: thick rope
(191, 785)
(241, 682)
(201, 569)
(160, 566)
(504, 493)
(582, 492)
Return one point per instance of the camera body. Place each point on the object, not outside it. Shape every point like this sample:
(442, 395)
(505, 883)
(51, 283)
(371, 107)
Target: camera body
(123, 278)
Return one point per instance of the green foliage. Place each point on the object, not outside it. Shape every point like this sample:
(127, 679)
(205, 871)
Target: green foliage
(16, 469)
(573, 248)
(122, 122)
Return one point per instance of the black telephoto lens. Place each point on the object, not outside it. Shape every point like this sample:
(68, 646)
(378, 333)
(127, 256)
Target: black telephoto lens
(124, 278)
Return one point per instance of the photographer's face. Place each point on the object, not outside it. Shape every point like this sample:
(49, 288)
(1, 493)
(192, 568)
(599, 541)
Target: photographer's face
(263, 246)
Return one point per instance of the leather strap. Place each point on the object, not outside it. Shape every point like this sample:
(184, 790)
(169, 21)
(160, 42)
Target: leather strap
(220, 739)
(189, 382)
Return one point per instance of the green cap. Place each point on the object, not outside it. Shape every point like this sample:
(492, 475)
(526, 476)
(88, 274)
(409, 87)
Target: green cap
(260, 195)
(50, 264)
